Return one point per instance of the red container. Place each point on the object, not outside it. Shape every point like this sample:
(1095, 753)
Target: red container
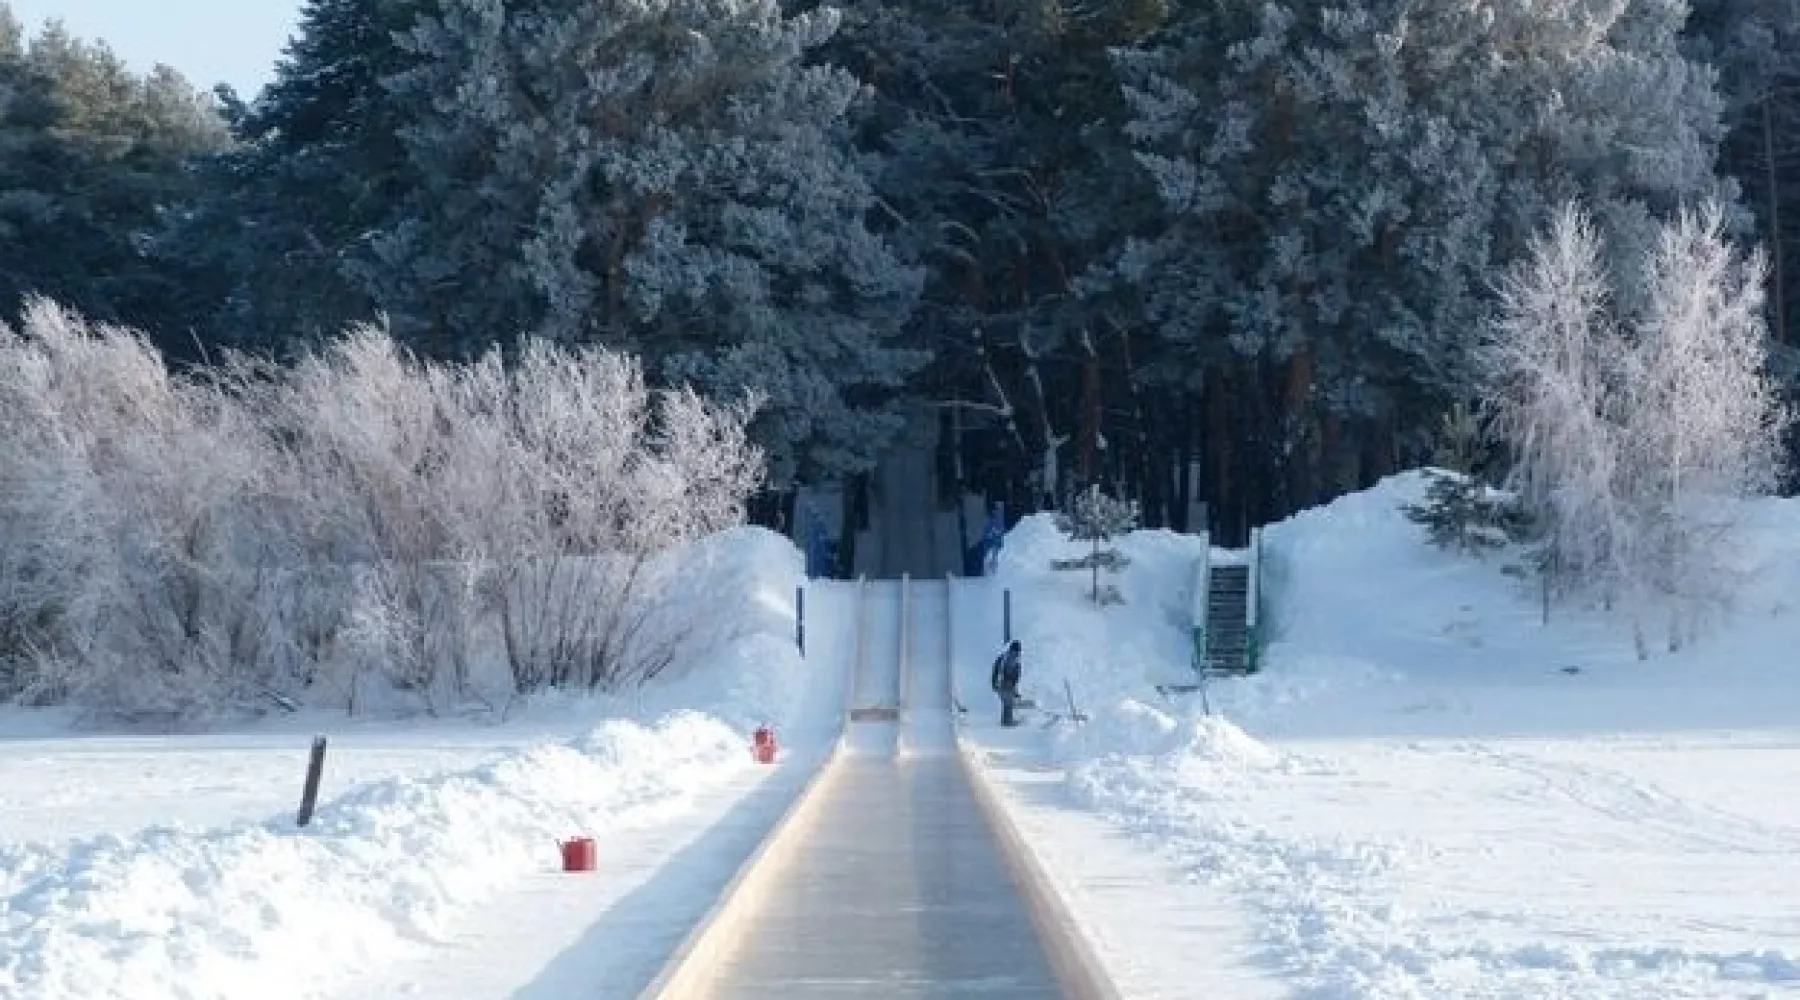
(578, 854)
(765, 746)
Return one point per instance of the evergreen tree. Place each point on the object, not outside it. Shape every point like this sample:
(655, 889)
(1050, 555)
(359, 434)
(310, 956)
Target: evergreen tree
(318, 167)
(96, 161)
(996, 128)
(1755, 46)
(663, 176)
(1096, 518)
(1341, 182)
(1460, 511)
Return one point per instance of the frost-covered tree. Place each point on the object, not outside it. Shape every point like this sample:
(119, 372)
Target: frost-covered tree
(995, 133)
(97, 156)
(318, 166)
(1096, 518)
(667, 177)
(1551, 362)
(1634, 431)
(1701, 418)
(1755, 46)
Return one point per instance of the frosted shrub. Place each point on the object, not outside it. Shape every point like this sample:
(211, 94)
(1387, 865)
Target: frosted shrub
(135, 578)
(512, 512)
(362, 523)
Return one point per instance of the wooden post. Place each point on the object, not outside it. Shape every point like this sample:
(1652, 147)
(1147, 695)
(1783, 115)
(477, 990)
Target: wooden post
(315, 768)
(1006, 615)
(800, 619)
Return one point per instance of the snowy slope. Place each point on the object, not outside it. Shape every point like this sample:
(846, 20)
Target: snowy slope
(414, 842)
(1416, 800)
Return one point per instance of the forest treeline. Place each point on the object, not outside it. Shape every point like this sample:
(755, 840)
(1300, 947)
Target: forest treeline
(1113, 241)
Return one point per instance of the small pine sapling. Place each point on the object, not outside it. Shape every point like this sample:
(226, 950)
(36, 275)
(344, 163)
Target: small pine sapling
(1465, 515)
(1096, 518)
(1460, 512)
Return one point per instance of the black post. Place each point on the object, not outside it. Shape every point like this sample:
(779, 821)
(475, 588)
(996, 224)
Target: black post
(1006, 614)
(800, 619)
(315, 768)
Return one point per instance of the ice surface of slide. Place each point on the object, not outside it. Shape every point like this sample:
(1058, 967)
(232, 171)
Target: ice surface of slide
(928, 726)
(876, 683)
(873, 726)
(899, 892)
(899, 888)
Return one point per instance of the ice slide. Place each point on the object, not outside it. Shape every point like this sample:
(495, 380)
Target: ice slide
(895, 873)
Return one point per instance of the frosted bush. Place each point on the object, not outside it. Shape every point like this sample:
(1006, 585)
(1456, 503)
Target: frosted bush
(362, 523)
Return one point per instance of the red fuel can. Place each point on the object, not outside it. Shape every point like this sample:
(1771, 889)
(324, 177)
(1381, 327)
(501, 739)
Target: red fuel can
(578, 854)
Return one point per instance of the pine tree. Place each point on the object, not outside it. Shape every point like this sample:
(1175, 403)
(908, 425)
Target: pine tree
(1096, 518)
(96, 158)
(1342, 181)
(1461, 512)
(318, 167)
(666, 177)
(997, 133)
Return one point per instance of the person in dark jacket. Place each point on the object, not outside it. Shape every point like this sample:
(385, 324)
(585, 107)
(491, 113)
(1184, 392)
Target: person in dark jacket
(1007, 667)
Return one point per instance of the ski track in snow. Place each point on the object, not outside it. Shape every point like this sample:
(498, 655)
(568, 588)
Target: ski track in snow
(1651, 811)
(1358, 917)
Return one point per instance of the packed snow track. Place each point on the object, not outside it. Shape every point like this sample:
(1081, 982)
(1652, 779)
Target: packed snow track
(894, 873)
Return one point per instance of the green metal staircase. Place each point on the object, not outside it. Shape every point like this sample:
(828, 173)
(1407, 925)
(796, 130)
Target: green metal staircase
(1226, 600)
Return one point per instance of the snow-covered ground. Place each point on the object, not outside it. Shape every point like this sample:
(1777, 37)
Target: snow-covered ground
(56, 787)
(1427, 795)
(150, 867)
(1416, 799)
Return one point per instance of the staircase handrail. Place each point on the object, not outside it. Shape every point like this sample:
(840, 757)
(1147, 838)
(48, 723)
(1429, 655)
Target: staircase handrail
(1253, 604)
(1202, 598)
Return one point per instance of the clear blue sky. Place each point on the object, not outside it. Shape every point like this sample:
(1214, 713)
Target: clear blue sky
(209, 41)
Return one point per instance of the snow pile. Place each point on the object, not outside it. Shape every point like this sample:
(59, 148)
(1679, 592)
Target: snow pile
(263, 908)
(1430, 793)
(245, 910)
(1105, 653)
(1375, 631)
(1354, 580)
(736, 595)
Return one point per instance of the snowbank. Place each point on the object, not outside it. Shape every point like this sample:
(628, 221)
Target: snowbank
(259, 909)
(1429, 793)
(1105, 653)
(1366, 618)
(1383, 633)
